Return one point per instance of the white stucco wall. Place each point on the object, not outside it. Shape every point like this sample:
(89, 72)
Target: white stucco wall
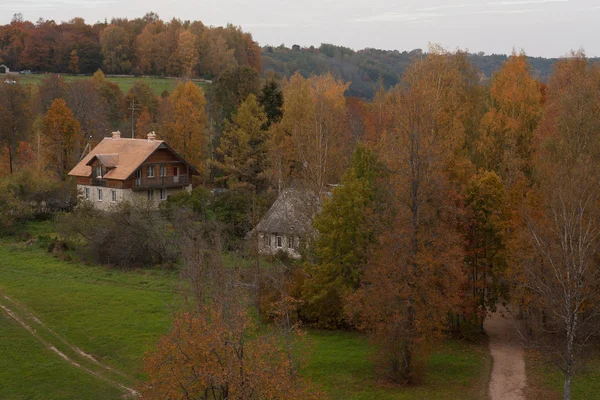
(122, 195)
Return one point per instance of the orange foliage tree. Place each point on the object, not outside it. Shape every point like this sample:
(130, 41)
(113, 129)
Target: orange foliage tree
(215, 350)
(414, 279)
(312, 143)
(183, 126)
(561, 278)
(507, 128)
(61, 138)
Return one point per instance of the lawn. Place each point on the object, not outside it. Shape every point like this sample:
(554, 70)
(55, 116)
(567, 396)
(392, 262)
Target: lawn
(546, 381)
(125, 83)
(116, 316)
(340, 364)
(29, 371)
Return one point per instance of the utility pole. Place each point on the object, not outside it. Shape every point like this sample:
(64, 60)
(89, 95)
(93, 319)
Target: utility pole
(86, 149)
(133, 109)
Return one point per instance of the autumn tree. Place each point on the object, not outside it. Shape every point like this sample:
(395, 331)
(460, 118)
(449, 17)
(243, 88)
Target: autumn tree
(15, 119)
(215, 350)
(185, 58)
(348, 228)
(61, 138)
(89, 108)
(183, 124)
(154, 46)
(116, 49)
(113, 98)
(314, 131)
(243, 147)
(507, 128)
(414, 278)
(216, 56)
(143, 125)
(39, 46)
(52, 87)
(74, 62)
(561, 278)
(486, 243)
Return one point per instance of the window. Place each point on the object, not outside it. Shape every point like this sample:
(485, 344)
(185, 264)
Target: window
(86, 193)
(150, 195)
(279, 242)
(113, 194)
(99, 194)
(98, 171)
(150, 171)
(163, 194)
(291, 243)
(267, 240)
(163, 171)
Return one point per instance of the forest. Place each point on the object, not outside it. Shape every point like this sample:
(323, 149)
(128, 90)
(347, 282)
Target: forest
(141, 46)
(440, 199)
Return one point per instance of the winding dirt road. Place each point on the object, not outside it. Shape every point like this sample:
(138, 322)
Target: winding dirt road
(508, 372)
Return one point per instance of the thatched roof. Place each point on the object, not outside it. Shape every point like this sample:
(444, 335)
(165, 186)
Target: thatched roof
(291, 214)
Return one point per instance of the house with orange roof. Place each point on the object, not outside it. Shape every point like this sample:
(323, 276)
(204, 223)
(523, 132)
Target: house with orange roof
(120, 169)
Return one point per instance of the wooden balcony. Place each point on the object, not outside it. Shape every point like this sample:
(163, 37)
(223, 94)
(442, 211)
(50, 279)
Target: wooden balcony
(98, 182)
(161, 182)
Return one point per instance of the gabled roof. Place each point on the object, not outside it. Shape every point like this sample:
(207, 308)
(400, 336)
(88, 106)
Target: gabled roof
(123, 156)
(108, 160)
(292, 213)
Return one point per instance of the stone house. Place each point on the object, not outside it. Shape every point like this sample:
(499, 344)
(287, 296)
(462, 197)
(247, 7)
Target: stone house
(120, 169)
(287, 226)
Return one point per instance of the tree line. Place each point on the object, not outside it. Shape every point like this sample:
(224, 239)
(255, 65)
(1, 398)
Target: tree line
(141, 46)
(366, 67)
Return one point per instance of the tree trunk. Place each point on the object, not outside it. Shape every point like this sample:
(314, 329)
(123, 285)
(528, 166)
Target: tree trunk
(567, 389)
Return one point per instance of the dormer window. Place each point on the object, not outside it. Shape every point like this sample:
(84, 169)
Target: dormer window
(98, 171)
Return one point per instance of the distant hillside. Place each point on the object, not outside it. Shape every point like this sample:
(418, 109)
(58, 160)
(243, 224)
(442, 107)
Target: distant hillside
(365, 67)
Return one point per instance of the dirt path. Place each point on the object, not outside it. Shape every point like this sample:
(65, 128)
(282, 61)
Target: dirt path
(21, 320)
(508, 372)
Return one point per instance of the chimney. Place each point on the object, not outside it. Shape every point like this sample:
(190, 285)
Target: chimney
(151, 136)
(116, 135)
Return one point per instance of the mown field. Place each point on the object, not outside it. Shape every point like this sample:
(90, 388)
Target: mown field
(125, 83)
(116, 316)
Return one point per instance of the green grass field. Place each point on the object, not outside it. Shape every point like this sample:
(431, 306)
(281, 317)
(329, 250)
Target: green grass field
(125, 83)
(116, 316)
(29, 371)
(546, 380)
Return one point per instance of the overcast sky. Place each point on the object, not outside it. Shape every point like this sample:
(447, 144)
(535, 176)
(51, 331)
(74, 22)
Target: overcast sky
(549, 28)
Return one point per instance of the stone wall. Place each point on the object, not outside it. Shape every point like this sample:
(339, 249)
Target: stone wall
(107, 201)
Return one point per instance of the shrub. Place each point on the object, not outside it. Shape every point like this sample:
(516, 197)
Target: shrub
(132, 235)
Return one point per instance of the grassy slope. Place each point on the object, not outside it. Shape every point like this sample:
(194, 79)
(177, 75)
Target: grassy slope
(113, 315)
(30, 371)
(125, 83)
(116, 316)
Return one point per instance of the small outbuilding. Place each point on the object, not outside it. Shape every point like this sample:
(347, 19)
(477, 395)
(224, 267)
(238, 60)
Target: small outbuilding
(287, 226)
